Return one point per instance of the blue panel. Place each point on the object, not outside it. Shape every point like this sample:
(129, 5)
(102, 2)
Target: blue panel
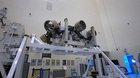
(129, 63)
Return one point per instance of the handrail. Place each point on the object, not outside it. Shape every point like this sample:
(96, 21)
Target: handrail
(110, 62)
(20, 50)
(16, 60)
(66, 48)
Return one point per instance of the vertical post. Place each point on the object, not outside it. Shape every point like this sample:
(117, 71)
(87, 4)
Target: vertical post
(66, 31)
(33, 38)
(78, 66)
(99, 65)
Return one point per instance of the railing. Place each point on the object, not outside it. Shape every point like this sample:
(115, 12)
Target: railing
(17, 66)
(18, 62)
(114, 68)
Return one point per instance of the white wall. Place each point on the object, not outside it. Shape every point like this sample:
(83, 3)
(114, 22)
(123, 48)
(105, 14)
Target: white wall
(115, 16)
(74, 10)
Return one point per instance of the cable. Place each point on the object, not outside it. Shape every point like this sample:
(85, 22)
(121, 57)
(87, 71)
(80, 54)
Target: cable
(110, 25)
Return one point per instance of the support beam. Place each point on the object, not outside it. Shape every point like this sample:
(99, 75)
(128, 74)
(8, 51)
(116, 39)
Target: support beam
(16, 60)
